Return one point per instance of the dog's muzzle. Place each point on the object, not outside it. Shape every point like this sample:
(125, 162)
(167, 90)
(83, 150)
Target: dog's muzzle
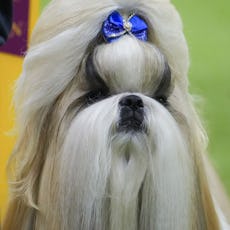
(131, 114)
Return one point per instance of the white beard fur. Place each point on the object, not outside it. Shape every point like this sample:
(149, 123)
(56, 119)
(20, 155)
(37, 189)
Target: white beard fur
(74, 170)
(113, 167)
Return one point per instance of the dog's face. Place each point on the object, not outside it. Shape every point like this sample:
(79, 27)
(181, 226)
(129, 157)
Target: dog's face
(114, 135)
(125, 138)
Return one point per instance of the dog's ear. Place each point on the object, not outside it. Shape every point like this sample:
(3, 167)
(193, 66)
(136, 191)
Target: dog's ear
(27, 161)
(205, 212)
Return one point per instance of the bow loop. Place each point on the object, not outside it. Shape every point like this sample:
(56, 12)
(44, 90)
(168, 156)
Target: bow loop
(116, 26)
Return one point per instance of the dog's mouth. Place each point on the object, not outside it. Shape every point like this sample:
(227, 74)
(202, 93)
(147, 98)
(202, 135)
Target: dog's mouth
(130, 125)
(132, 122)
(131, 114)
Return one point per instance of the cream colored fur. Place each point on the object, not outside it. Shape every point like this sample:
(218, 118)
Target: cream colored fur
(70, 166)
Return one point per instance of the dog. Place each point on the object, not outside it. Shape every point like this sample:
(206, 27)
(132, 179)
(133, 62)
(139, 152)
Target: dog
(108, 136)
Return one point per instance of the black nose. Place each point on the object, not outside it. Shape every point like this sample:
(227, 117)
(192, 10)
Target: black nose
(131, 113)
(131, 101)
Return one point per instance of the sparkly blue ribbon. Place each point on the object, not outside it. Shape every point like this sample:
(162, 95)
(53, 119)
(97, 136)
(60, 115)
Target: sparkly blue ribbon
(116, 26)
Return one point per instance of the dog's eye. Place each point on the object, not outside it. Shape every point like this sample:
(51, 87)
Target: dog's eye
(162, 99)
(96, 95)
(163, 91)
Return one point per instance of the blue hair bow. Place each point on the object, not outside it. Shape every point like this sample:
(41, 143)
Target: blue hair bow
(116, 26)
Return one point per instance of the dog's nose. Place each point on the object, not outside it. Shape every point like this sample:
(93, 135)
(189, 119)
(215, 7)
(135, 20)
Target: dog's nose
(131, 113)
(132, 101)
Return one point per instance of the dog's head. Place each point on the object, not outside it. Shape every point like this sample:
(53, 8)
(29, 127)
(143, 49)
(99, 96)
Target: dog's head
(111, 123)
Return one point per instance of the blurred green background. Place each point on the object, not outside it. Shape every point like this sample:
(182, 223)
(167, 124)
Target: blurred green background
(207, 29)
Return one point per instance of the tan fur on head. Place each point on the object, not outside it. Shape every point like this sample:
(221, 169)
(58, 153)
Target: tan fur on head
(73, 168)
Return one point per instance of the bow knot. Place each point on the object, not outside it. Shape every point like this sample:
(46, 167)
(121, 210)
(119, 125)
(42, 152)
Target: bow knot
(116, 26)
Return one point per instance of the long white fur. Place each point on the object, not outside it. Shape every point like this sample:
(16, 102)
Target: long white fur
(89, 176)
(94, 169)
(41, 76)
(120, 72)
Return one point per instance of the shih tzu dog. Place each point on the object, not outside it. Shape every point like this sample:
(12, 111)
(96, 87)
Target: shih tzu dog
(108, 137)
